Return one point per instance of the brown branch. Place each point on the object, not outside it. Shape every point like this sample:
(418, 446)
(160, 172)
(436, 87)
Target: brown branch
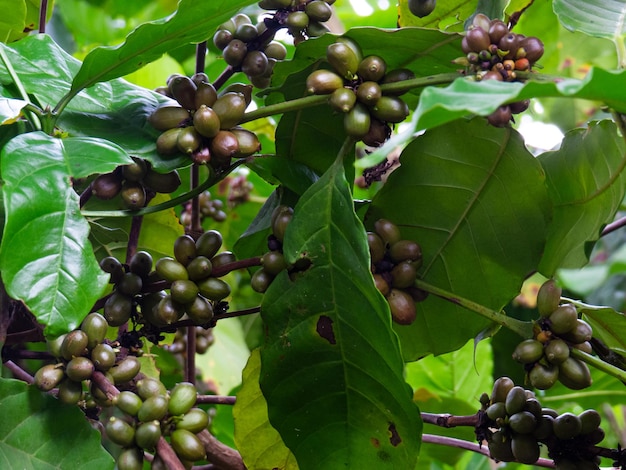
(168, 455)
(450, 421)
(222, 456)
(240, 264)
(19, 373)
(215, 400)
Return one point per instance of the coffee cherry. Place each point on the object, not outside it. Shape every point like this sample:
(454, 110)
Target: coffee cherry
(548, 297)
(184, 249)
(590, 421)
(128, 402)
(133, 195)
(318, 10)
(230, 108)
(95, 326)
(79, 369)
(566, 426)
(166, 312)
(195, 420)
(543, 377)
(254, 63)
(398, 75)
(515, 400)
(130, 459)
(74, 344)
(581, 332)
(234, 52)
(273, 262)
(390, 109)
(141, 263)
(214, 289)
(222, 259)
(323, 82)
(162, 182)
(544, 428)
(276, 50)
(533, 48)
(496, 411)
(183, 90)
(119, 431)
(106, 186)
(356, 122)
(500, 447)
(377, 134)
(525, 449)
(297, 20)
(247, 142)
(388, 231)
(369, 93)
(103, 357)
(556, 351)
(372, 68)
(148, 434)
(405, 250)
(70, 392)
(153, 408)
(182, 398)
(574, 374)
(150, 387)
(500, 117)
(187, 446)
(563, 319)
(125, 370)
(170, 270)
(206, 95)
(117, 309)
(206, 121)
(422, 8)
(497, 30)
(402, 307)
(112, 266)
(528, 351)
(209, 243)
(168, 117)
(403, 275)
(199, 268)
(501, 388)
(130, 284)
(224, 146)
(261, 280)
(49, 376)
(342, 100)
(200, 311)
(183, 291)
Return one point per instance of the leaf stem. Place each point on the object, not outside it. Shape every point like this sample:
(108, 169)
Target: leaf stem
(524, 329)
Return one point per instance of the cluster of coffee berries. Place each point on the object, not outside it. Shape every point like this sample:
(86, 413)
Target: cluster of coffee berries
(209, 208)
(422, 8)
(546, 357)
(136, 183)
(249, 48)
(273, 262)
(302, 18)
(80, 353)
(204, 340)
(494, 52)
(394, 264)
(204, 124)
(354, 86)
(523, 424)
(151, 412)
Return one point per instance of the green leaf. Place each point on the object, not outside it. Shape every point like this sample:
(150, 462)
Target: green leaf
(260, 445)
(608, 325)
(586, 184)
(10, 110)
(193, 22)
(448, 14)
(13, 18)
(116, 111)
(467, 206)
(440, 105)
(46, 258)
(451, 383)
(39, 432)
(599, 18)
(330, 345)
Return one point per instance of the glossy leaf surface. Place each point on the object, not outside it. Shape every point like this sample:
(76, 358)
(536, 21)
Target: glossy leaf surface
(470, 208)
(331, 366)
(46, 257)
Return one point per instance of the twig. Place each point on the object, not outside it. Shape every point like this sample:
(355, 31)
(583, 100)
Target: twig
(215, 400)
(449, 421)
(220, 454)
(168, 455)
(19, 373)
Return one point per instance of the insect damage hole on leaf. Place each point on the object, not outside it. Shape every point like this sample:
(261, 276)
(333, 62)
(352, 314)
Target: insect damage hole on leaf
(394, 437)
(325, 329)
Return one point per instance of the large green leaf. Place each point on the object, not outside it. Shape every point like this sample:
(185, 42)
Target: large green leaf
(260, 445)
(440, 105)
(10, 110)
(13, 20)
(451, 383)
(37, 432)
(331, 365)
(599, 18)
(193, 22)
(116, 110)
(448, 14)
(475, 200)
(586, 184)
(46, 259)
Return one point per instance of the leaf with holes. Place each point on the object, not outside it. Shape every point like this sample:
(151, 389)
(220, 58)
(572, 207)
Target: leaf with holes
(46, 258)
(39, 432)
(329, 343)
(480, 214)
(586, 183)
(259, 443)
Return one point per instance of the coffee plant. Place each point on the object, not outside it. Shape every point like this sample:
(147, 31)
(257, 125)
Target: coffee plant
(281, 235)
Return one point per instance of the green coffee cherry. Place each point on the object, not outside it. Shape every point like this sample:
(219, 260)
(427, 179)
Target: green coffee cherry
(214, 289)
(183, 90)
(523, 422)
(148, 434)
(168, 117)
(581, 332)
(574, 374)
(184, 249)
(500, 447)
(166, 312)
(388, 231)
(254, 63)
(150, 387)
(195, 420)
(528, 351)
(356, 122)
(563, 319)
(106, 186)
(525, 449)
(74, 344)
(543, 377)
(230, 109)
(247, 142)
(70, 392)
(200, 311)
(496, 411)
(342, 100)
(390, 109)
(167, 142)
(318, 10)
(209, 243)
(590, 421)
(128, 402)
(183, 291)
(117, 309)
(273, 262)
(343, 59)
(556, 351)
(125, 371)
(205, 95)
(182, 398)
(222, 259)
(79, 369)
(130, 284)
(162, 182)
(170, 270)
(501, 388)
(548, 297)
(566, 426)
(369, 93)
(402, 307)
(323, 82)
(372, 68)
(133, 195)
(206, 121)
(112, 266)
(49, 376)
(130, 459)
(153, 408)
(95, 326)
(376, 247)
(141, 263)
(187, 445)
(515, 400)
(261, 280)
(119, 431)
